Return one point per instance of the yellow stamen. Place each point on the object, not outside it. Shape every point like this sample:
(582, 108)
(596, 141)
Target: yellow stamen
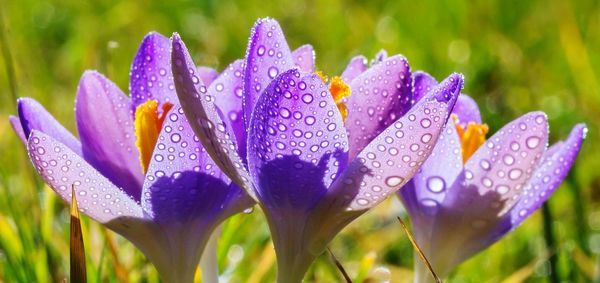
(148, 123)
(343, 110)
(338, 89)
(471, 137)
(322, 76)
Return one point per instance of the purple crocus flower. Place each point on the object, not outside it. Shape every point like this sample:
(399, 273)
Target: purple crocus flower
(138, 171)
(471, 192)
(277, 130)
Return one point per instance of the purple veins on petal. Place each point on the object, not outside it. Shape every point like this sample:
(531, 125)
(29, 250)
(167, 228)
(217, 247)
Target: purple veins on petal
(356, 67)
(304, 58)
(15, 123)
(378, 97)
(62, 168)
(151, 76)
(294, 159)
(423, 83)
(105, 126)
(466, 110)
(34, 116)
(200, 109)
(227, 90)
(267, 56)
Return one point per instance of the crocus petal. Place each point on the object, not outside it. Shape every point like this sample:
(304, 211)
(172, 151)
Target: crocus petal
(33, 116)
(304, 58)
(204, 118)
(227, 90)
(182, 182)
(466, 110)
(496, 174)
(267, 56)
(62, 168)
(105, 126)
(549, 175)
(15, 123)
(356, 66)
(207, 74)
(151, 76)
(437, 174)
(423, 83)
(378, 97)
(394, 156)
(297, 142)
(380, 57)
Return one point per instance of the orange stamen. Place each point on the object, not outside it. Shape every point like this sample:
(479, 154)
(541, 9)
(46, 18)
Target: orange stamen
(471, 137)
(338, 89)
(148, 123)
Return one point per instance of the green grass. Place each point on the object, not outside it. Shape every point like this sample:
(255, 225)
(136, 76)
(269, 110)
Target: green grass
(517, 56)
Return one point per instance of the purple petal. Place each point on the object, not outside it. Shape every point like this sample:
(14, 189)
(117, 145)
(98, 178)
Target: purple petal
(182, 182)
(105, 126)
(380, 56)
(62, 168)
(227, 90)
(15, 123)
(267, 56)
(438, 173)
(297, 142)
(204, 118)
(549, 175)
(393, 157)
(207, 75)
(33, 116)
(496, 174)
(378, 97)
(356, 67)
(423, 83)
(151, 76)
(304, 58)
(466, 110)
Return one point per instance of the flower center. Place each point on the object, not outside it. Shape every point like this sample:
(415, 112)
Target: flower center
(471, 137)
(148, 123)
(338, 89)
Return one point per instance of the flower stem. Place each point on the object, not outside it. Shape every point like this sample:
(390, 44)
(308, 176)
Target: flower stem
(208, 262)
(550, 243)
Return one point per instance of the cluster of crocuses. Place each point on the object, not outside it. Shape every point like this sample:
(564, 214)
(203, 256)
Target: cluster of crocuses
(190, 147)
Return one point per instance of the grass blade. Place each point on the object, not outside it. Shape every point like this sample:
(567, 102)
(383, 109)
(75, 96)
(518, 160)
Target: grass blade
(78, 272)
(419, 251)
(338, 264)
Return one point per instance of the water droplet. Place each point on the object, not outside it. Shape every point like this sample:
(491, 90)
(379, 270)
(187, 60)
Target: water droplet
(260, 51)
(309, 120)
(502, 189)
(273, 72)
(394, 181)
(425, 123)
(307, 98)
(515, 174)
(508, 159)
(532, 142)
(436, 184)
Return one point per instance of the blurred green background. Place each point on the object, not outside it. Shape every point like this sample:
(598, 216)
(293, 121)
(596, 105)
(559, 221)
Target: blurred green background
(517, 56)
